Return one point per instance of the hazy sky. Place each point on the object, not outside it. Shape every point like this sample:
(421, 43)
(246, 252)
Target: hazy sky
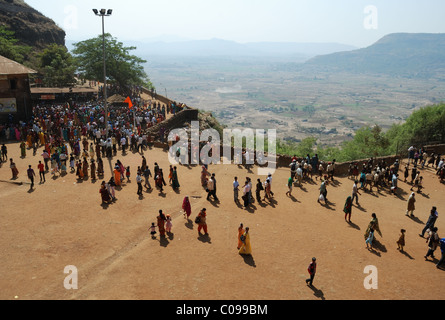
(354, 22)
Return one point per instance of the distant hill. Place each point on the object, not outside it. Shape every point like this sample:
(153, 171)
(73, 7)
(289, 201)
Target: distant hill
(219, 47)
(30, 26)
(398, 54)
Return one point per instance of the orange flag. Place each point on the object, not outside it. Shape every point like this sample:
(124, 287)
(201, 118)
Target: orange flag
(130, 104)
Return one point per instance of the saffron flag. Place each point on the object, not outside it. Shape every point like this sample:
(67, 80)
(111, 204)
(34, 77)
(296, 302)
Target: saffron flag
(130, 104)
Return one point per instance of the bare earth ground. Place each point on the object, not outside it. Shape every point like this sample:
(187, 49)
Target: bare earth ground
(62, 223)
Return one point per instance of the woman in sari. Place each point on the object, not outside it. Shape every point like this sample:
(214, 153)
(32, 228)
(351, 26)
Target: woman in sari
(186, 206)
(170, 175)
(373, 225)
(246, 249)
(23, 149)
(348, 208)
(411, 205)
(105, 196)
(17, 134)
(14, 170)
(79, 172)
(91, 151)
(159, 180)
(267, 190)
(241, 231)
(204, 175)
(93, 169)
(29, 140)
(117, 175)
(100, 167)
(175, 181)
(85, 167)
(161, 223)
(121, 169)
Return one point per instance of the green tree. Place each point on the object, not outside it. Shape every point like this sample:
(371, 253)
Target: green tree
(57, 66)
(10, 48)
(426, 125)
(367, 142)
(123, 68)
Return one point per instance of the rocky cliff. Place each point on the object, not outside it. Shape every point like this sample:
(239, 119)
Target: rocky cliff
(30, 26)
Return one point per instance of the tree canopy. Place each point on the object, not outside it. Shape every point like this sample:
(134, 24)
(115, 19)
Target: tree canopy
(57, 66)
(10, 48)
(123, 68)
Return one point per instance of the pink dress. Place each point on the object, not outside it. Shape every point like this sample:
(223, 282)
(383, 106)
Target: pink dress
(168, 225)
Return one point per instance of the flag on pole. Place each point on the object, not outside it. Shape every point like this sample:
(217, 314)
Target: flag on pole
(130, 104)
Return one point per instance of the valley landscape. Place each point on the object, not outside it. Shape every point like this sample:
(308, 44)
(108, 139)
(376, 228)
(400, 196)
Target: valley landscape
(63, 238)
(299, 95)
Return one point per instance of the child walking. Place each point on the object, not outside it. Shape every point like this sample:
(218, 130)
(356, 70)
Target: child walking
(127, 173)
(153, 230)
(168, 224)
(370, 239)
(401, 241)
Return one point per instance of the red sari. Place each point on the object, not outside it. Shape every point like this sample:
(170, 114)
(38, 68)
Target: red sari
(187, 207)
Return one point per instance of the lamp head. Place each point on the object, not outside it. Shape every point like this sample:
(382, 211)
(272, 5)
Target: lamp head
(109, 12)
(95, 11)
(102, 11)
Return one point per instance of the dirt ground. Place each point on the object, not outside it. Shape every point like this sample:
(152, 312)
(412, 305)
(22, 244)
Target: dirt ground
(62, 223)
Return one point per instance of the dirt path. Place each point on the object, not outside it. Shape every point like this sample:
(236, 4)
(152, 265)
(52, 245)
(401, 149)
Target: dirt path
(62, 223)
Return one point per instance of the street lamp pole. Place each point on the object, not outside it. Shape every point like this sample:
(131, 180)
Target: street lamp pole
(104, 13)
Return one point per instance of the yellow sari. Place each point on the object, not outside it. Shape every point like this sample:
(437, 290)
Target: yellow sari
(246, 248)
(240, 233)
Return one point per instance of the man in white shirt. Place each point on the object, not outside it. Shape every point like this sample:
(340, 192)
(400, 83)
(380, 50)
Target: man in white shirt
(123, 144)
(299, 175)
(235, 190)
(139, 182)
(355, 192)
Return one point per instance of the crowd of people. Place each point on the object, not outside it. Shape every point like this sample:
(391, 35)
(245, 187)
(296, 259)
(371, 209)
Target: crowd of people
(76, 137)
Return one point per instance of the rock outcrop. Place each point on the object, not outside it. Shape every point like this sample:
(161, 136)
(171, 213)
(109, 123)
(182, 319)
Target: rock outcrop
(30, 26)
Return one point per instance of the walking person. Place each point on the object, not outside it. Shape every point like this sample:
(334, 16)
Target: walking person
(411, 207)
(355, 192)
(240, 234)
(290, 183)
(245, 197)
(186, 206)
(374, 225)
(93, 170)
(161, 223)
(323, 192)
(168, 224)
(4, 153)
(15, 172)
(442, 250)
(139, 182)
(370, 239)
(246, 248)
(41, 168)
(147, 175)
(348, 208)
(312, 269)
(236, 190)
(401, 241)
(433, 241)
(31, 175)
(112, 185)
(202, 222)
(211, 186)
(175, 181)
(46, 158)
(431, 221)
(105, 196)
(259, 188)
